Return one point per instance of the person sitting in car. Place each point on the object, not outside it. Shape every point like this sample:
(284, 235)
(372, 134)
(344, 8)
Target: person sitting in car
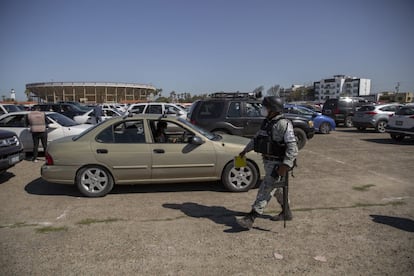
(160, 136)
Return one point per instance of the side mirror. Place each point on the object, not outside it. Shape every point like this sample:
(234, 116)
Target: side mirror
(53, 125)
(196, 140)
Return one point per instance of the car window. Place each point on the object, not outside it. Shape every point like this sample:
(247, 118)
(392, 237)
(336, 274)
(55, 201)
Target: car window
(211, 110)
(234, 110)
(138, 109)
(125, 132)
(154, 109)
(253, 109)
(18, 120)
(390, 108)
(173, 133)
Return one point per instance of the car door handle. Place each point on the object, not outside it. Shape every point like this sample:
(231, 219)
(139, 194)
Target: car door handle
(101, 151)
(159, 151)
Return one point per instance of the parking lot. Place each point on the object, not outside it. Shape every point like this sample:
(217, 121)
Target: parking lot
(352, 198)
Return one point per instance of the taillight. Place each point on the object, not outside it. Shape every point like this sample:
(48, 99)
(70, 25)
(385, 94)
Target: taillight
(392, 114)
(49, 159)
(336, 111)
(371, 113)
(411, 117)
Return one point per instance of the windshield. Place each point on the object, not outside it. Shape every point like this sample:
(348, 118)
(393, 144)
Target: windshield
(209, 135)
(62, 119)
(11, 108)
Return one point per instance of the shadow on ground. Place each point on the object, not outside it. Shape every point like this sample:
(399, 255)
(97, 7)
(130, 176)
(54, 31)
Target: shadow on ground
(400, 223)
(217, 214)
(41, 187)
(6, 176)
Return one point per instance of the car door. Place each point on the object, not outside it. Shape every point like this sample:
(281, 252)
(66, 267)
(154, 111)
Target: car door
(123, 148)
(18, 123)
(179, 159)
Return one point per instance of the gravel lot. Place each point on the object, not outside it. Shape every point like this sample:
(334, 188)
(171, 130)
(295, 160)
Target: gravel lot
(352, 198)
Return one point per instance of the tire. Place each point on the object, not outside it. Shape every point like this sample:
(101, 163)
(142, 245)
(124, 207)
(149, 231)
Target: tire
(380, 127)
(348, 121)
(94, 181)
(241, 179)
(397, 137)
(300, 137)
(325, 128)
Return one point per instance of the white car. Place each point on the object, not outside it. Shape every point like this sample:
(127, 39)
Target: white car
(157, 108)
(401, 124)
(89, 116)
(58, 126)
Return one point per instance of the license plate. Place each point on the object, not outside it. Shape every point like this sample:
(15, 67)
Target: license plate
(14, 159)
(399, 123)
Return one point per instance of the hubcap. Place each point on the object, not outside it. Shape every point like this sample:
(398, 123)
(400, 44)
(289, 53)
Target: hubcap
(94, 180)
(240, 177)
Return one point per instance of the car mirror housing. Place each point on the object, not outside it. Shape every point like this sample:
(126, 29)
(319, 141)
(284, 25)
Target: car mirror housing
(53, 125)
(196, 140)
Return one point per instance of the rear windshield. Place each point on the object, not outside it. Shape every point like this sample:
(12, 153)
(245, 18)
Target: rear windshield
(406, 110)
(329, 104)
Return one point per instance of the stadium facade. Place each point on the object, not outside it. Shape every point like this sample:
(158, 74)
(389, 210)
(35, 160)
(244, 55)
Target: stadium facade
(90, 92)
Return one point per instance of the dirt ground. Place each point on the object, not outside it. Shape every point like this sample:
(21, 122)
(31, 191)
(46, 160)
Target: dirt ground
(353, 205)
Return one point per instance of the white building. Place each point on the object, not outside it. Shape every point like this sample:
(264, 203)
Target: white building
(341, 86)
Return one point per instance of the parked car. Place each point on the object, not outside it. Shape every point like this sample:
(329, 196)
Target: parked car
(123, 150)
(342, 109)
(401, 124)
(321, 123)
(157, 108)
(374, 116)
(89, 116)
(77, 104)
(8, 108)
(67, 109)
(239, 114)
(58, 126)
(11, 150)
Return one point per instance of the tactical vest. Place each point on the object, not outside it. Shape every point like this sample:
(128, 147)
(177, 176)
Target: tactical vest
(264, 144)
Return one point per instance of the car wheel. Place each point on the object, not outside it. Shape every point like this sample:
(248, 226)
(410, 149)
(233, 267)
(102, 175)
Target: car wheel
(94, 181)
(325, 128)
(348, 121)
(240, 179)
(397, 137)
(381, 126)
(300, 137)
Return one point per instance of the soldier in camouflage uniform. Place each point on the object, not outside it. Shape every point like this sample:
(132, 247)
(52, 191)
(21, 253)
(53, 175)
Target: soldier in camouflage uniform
(279, 132)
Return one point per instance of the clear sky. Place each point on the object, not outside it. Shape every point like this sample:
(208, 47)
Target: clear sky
(203, 46)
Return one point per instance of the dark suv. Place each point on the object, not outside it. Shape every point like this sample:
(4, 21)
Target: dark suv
(342, 109)
(239, 114)
(11, 150)
(67, 109)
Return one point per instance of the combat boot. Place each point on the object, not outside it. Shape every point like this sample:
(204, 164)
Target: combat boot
(247, 221)
(281, 215)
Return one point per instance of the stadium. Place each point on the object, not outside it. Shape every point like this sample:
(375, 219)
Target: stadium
(90, 92)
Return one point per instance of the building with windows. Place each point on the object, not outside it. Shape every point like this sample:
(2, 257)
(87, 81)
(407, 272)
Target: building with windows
(341, 86)
(90, 92)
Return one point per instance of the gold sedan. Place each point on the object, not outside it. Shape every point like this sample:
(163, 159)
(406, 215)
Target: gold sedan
(148, 149)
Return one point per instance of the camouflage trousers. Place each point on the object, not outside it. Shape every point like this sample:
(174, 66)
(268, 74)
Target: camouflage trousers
(270, 187)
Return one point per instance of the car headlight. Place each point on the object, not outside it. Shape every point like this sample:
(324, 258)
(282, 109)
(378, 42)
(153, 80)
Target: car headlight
(12, 141)
(310, 124)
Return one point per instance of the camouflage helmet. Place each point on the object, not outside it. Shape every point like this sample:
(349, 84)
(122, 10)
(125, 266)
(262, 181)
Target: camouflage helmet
(273, 103)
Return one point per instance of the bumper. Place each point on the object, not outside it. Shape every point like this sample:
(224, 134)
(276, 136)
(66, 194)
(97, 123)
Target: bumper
(397, 130)
(59, 174)
(11, 160)
(310, 134)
